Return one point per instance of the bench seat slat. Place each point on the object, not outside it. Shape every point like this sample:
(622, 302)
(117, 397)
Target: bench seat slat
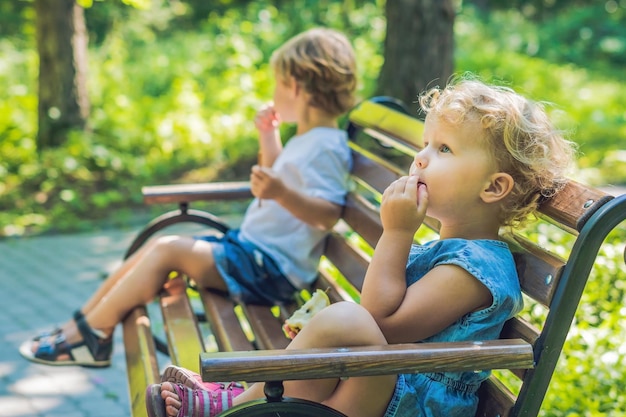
(265, 326)
(141, 367)
(183, 337)
(278, 365)
(224, 323)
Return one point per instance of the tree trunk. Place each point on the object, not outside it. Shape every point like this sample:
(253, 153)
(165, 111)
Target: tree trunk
(62, 47)
(419, 48)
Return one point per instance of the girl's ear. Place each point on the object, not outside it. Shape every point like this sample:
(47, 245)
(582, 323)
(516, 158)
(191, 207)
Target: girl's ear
(499, 186)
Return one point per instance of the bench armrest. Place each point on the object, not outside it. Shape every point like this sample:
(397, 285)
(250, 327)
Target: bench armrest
(279, 365)
(184, 193)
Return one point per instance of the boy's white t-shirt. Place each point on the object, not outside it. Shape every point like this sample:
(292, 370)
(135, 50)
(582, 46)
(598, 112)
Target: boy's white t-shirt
(318, 164)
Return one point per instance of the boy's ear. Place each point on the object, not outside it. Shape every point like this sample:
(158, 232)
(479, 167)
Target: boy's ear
(295, 87)
(499, 186)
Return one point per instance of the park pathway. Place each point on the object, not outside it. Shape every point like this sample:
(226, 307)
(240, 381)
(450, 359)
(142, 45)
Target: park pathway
(42, 280)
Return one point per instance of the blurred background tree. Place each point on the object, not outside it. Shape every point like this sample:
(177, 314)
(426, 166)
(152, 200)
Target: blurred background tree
(419, 47)
(62, 47)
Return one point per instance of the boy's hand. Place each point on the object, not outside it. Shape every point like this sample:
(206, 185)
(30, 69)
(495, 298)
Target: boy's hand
(266, 119)
(404, 205)
(265, 184)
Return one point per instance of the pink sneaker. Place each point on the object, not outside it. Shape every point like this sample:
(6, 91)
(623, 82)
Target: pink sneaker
(177, 375)
(194, 402)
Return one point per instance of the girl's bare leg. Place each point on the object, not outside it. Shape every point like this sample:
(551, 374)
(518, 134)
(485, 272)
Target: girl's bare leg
(340, 325)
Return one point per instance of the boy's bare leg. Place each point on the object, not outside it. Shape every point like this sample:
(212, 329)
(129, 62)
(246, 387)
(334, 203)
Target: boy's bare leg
(69, 327)
(141, 278)
(112, 279)
(142, 283)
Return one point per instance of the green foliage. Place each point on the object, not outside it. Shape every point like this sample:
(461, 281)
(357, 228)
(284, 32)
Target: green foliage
(591, 364)
(14, 15)
(166, 106)
(590, 37)
(587, 104)
(593, 358)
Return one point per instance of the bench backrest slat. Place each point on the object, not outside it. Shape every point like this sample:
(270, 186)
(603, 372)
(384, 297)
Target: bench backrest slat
(373, 172)
(538, 269)
(327, 282)
(351, 262)
(394, 128)
(495, 399)
(519, 328)
(362, 216)
(573, 205)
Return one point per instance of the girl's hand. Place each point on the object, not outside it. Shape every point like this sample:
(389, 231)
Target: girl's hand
(265, 184)
(266, 119)
(404, 205)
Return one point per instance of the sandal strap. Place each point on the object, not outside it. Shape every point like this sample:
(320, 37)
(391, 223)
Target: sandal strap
(222, 399)
(77, 315)
(47, 334)
(202, 403)
(57, 330)
(98, 348)
(177, 375)
(50, 348)
(235, 388)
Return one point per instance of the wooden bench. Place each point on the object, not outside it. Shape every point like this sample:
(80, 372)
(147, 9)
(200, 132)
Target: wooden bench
(249, 338)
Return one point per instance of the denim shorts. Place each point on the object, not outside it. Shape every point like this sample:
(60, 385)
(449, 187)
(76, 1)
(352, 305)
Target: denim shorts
(421, 395)
(250, 275)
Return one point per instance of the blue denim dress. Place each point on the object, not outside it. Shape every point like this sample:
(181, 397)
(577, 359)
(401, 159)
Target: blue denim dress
(452, 394)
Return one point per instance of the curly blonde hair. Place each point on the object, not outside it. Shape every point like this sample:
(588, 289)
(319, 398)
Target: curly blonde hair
(322, 62)
(523, 141)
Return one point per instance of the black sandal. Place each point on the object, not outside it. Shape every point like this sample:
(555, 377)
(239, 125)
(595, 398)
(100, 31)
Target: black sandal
(92, 351)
